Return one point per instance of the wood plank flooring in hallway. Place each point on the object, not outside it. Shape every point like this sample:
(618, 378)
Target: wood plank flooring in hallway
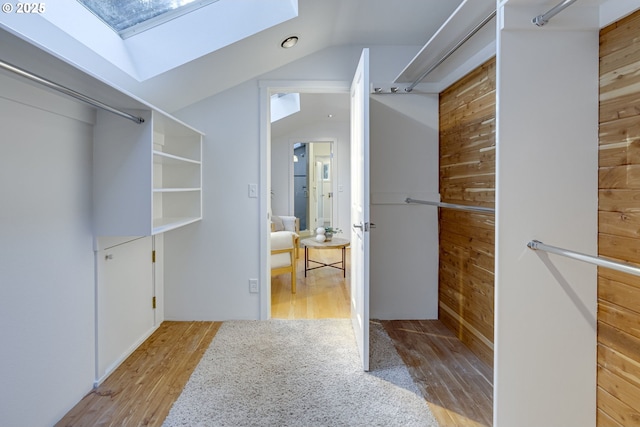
(456, 384)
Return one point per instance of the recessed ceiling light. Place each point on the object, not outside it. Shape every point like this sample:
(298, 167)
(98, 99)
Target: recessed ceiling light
(289, 42)
(330, 115)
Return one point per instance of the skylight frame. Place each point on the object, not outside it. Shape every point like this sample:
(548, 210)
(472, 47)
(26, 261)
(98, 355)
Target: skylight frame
(72, 33)
(161, 18)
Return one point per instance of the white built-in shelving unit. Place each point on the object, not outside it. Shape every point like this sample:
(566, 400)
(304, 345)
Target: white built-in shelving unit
(147, 177)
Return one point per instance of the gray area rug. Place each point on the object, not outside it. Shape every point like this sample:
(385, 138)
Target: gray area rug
(298, 373)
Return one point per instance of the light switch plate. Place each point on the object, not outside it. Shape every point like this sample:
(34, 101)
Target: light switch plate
(253, 191)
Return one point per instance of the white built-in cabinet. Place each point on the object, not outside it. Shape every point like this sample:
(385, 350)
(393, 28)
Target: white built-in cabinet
(147, 177)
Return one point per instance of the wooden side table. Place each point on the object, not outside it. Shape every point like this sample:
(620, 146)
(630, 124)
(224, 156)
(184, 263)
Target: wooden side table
(335, 243)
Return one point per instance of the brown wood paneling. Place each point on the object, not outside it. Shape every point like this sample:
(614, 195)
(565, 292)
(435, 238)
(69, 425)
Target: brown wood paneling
(619, 223)
(617, 276)
(618, 364)
(467, 240)
(619, 247)
(619, 177)
(620, 130)
(620, 294)
(619, 388)
(618, 392)
(613, 200)
(619, 318)
(616, 412)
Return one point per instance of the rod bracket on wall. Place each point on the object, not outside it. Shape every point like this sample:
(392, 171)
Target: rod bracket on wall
(624, 267)
(542, 20)
(533, 244)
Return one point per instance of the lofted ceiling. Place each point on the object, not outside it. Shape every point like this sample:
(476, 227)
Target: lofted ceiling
(320, 24)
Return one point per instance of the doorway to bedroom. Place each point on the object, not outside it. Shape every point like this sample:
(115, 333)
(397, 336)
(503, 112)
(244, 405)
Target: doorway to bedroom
(310, 180)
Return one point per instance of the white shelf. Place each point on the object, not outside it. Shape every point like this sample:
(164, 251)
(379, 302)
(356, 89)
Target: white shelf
(162, 225)
(175, 190)
(166, 158)
(158, 184)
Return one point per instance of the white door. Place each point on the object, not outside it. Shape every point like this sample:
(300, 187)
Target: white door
(360, 207)
(125, 293)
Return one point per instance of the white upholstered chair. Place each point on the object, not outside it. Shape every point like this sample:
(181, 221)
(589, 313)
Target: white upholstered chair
(283, 255)
(287, 223)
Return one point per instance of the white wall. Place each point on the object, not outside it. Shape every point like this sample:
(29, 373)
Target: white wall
(404, 244)
(48, 273)
(208, 264)
(207, 267)
(546, 189)
(46, 255)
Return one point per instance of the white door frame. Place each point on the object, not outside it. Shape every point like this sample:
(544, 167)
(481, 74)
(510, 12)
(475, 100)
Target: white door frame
(268, 88)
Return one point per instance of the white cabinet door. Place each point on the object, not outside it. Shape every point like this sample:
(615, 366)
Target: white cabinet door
(125, 294)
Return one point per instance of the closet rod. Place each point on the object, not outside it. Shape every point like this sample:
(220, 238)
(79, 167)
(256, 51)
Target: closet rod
(451, 206)
(543, 19)
(450, 52)
(67, 91)
(602, 262)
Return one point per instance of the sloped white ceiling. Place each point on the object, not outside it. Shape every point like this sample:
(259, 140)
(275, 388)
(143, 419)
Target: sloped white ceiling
(315, 108)
(320, 24)
(155, 50)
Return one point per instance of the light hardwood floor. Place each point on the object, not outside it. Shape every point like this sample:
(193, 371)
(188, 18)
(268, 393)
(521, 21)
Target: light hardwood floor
(456, 384)
(323, 294)
(141, 391)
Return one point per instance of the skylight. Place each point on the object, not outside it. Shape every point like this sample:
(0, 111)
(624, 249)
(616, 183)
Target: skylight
(77, 35)
(129, 17)
(284, 105)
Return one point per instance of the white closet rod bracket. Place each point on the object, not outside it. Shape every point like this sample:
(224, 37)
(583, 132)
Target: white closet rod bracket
(624, 267)
(543, 19)
(69, 92)
(481, 209)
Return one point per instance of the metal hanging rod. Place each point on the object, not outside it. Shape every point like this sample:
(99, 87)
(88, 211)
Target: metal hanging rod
(70, 92)
(543, 19)
(451, 51)
(451, 206)
(602, 262)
